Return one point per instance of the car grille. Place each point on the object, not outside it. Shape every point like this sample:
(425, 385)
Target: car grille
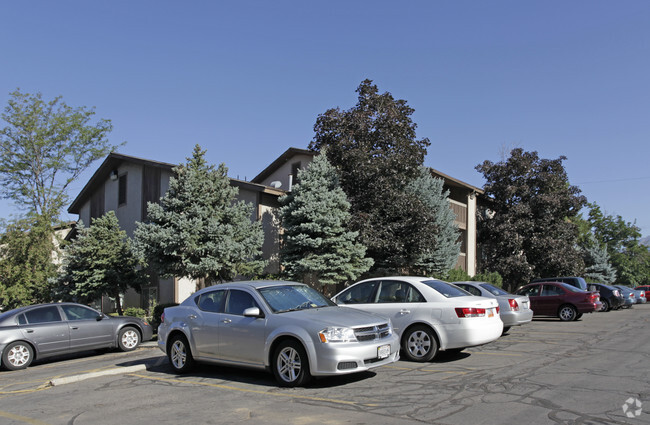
(371, 333)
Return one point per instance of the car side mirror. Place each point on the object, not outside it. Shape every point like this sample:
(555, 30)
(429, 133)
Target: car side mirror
(253, 312)
(99, 317)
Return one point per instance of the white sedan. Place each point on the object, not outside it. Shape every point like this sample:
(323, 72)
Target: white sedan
(429, 315)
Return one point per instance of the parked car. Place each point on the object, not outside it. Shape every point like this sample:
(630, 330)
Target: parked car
(43, 330)
(285, 327)
(628, 295)
(560, 299)
(643, 293)
(428, 314)
(610, 297)
(639, 295)
(514, 310)
(578, 282)
(645, 288)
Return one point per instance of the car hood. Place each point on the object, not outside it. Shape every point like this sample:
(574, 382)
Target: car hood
(336, 316)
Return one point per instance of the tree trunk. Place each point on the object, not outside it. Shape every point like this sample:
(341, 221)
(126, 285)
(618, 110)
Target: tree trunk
(118, 303)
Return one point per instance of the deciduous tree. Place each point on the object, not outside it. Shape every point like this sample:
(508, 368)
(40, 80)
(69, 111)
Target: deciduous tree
(45, 146)
(373, 145)
(526, 230)
(26, 262)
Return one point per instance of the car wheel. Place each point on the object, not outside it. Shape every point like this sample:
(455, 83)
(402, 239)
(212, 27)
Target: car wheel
(605, 306)
(505, 329)
(567, 313)
(290, 364)
(179, 354)
(128, 338)
(17, 355)
(419, 344)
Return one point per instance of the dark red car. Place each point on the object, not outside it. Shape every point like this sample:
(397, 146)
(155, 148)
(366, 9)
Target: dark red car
(560, 299)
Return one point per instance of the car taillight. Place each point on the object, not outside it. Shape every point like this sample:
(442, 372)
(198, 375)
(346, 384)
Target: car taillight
(631, 295)
(470, 312)
(514, 306)
(162, 317)
(498, 309)
(642, 294)
(617, 294)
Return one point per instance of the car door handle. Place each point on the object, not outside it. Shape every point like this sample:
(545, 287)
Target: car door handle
(29, 331)
(74, 328)
(191, 317)
(226, 321)
(403, 311)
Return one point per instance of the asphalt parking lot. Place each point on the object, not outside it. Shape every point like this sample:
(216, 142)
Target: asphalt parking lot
(593, 371)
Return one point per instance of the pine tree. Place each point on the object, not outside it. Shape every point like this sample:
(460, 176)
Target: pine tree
(199, 230)
(597, 265)
(316, 241)
(442, 253)
(100, 261)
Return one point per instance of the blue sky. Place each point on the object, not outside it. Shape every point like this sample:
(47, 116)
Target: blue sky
(246, 80)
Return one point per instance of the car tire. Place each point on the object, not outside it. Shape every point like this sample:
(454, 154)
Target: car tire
(578, 316)
(290, 364)
(605, 306)
(505, 329)
(567, 313)
(128, 338)
(17, 355)
(180, 354)
(419, 344)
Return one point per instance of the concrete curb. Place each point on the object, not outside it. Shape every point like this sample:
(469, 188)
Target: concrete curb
(84, 376)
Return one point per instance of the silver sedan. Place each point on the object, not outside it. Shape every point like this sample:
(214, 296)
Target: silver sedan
(286, 327)
(514, 310)
(44, 330)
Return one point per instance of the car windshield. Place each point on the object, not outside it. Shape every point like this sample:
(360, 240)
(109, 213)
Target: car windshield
(493, 289)
(293, 297)
(446, 289)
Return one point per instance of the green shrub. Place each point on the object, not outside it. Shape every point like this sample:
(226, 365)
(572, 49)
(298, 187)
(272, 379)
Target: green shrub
(135, 312)
(490, 277)
(157, 312)
(457, 275)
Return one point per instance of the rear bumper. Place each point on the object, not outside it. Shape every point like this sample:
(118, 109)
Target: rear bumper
(516, 318)
(471, 334)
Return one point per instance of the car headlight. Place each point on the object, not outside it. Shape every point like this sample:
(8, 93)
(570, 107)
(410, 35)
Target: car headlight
(333, 334)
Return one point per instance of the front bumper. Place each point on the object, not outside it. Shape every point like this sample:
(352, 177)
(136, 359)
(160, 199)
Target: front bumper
(350, 357)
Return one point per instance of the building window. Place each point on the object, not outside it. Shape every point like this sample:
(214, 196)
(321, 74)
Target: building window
(294, 172)
(121, 191)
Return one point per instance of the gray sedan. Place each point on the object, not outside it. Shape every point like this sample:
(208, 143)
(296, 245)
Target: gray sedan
(44, 330)
(285, 327)
(514, 310)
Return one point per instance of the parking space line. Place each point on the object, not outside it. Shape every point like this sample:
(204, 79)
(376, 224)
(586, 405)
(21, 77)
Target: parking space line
(491, 353)
(230, 387)
(19, 418)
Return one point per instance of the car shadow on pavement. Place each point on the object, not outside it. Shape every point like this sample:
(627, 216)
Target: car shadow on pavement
(208, 372)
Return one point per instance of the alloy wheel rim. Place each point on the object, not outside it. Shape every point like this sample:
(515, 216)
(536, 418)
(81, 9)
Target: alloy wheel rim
(566, 313)
(178, 355)
(130, 339)
(18, 356)
(419, 344)
(289, 364)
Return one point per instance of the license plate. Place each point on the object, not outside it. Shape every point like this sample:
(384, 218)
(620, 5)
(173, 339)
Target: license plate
(383, 351)
(490, 312)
